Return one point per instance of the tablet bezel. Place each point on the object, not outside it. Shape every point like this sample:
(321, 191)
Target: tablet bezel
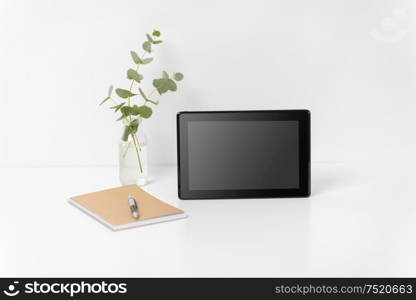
(303, 116)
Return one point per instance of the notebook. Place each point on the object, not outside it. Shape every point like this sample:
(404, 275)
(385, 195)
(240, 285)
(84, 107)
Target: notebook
(111, 207)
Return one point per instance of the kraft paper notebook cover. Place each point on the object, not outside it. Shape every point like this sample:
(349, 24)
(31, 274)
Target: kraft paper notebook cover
(111, 207)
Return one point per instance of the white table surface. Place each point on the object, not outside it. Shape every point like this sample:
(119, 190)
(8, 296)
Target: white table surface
(359, 221)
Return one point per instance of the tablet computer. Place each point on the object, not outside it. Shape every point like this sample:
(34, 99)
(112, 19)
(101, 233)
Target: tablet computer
(243, 154)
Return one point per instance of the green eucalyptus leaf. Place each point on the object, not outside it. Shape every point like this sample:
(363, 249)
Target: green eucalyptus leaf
(160, 85)
(133, 75)
(144, 111)
(152, 41)
(124, 93)
(156, 33)
(165, 74)
(133, 126)
(136, 58)
(172, 85)
(117, 107)
(133, 130)
(147, 46)
(110, 91)
(126, 110)
(135, 110)
(178, 76)
(149, 38)
(164, 84)
(102, 102)
(147, 60)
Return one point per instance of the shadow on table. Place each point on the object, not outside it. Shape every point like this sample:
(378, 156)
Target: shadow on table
(332, 177)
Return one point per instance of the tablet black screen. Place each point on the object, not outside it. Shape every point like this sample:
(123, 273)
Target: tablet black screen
(240, 155)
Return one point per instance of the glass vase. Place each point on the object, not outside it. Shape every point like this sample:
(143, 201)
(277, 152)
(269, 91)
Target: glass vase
(133, 165)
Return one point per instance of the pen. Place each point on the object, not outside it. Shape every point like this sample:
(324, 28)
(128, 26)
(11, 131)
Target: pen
(133, 207)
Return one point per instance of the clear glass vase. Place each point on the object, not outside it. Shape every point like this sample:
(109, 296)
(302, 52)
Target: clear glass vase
(133, 165)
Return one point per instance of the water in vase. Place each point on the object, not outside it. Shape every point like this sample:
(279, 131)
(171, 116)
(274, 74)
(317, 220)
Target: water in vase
(132, 170)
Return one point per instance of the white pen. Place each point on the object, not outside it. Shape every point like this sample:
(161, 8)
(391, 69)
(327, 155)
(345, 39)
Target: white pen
(133, 207)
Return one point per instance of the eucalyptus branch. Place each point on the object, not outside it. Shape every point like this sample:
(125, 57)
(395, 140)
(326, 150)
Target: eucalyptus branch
(132, 81)
(151, 101)
(136, 146)
(134, 113)
(127, 148)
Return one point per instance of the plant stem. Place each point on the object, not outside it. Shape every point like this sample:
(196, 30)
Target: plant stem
(127, 148)
(137, 139)
(136, 144)
(132, 81)
(134, 138)
(151, 101)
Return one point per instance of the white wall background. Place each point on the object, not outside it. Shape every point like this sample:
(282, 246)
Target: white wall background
(351, 62)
